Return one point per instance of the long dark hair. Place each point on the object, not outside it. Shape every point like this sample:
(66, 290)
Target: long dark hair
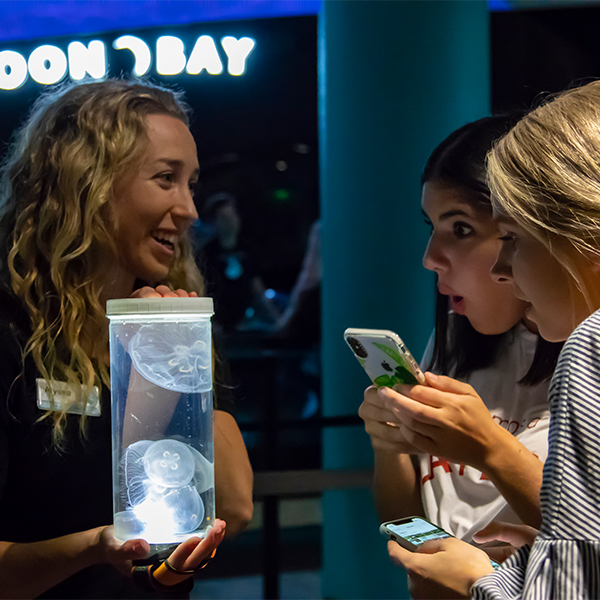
(459, 162)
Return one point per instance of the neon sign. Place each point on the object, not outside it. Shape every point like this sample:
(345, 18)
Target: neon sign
(48, 64)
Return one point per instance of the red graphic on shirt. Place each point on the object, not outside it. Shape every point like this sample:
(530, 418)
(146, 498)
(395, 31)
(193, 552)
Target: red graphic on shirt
(436, 461)
(440, 462)
(515, 427)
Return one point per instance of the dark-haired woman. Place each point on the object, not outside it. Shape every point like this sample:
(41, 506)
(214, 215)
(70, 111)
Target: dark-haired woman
(469, 447)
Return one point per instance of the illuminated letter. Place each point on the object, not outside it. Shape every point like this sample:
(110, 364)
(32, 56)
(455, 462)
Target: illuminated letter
(170, 59)
(237, 51)
(13, 70)
(47, 64)
(84, 60)
(140, 52)
(205, 56)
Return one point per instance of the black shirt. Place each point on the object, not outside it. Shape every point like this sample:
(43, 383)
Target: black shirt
(44, 492)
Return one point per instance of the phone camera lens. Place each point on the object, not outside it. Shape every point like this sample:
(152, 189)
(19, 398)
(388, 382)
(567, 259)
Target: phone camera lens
(358, 348)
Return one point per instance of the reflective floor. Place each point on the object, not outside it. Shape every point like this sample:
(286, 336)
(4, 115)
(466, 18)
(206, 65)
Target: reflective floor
(236, 572)
(301, 585)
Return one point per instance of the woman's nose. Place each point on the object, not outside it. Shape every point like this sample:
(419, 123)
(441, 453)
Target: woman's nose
(433, 259)
(501, 271)
(185, 208)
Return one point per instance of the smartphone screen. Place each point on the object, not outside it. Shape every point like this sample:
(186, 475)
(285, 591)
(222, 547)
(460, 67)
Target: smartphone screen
(417, 531)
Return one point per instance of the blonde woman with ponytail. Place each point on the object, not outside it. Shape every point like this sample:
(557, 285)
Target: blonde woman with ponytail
(96, 199)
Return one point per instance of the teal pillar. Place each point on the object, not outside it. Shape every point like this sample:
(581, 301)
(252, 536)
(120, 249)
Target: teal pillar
(395, 79)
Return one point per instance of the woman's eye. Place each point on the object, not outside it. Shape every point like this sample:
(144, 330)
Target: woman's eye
(508, 237)
(167, 177)
(428, 222)
(462, 230)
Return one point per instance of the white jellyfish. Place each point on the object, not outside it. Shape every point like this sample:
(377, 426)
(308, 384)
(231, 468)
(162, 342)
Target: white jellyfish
(167, 511)
(128, 525)
(185, 508)
(176, 356)
(169, 463)
(204, 470)
(134, 478)
(161, 486)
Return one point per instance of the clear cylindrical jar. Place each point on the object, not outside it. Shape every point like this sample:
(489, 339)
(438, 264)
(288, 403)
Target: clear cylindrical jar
(162, 420)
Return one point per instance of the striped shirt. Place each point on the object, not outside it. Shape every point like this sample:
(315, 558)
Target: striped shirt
(564, 562)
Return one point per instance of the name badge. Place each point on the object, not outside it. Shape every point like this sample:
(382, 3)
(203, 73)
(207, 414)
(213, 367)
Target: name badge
(58, 395)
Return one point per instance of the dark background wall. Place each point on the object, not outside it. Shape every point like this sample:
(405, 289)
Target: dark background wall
(256, 133)
(540, 51)
(245, 126)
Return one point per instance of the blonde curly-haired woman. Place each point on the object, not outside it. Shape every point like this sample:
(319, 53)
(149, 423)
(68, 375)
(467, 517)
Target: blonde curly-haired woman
(96, 201)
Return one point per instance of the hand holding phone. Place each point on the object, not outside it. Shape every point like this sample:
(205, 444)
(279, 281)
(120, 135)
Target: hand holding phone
(384, 356)
(413, 532)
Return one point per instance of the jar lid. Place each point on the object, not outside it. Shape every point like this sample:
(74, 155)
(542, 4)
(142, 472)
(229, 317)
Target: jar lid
(159, 306)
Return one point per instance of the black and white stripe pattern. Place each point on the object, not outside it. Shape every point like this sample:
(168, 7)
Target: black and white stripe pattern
(564, 562)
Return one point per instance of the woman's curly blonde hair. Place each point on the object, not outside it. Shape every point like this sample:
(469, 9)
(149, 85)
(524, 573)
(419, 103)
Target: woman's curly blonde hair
(57, 227)
(545, 174)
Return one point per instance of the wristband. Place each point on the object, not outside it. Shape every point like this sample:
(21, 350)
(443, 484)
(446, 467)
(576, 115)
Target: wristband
(166, 575)
(203, 564)
(144, 580)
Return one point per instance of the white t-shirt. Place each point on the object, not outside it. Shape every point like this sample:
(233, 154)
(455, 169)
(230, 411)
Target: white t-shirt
(460, 498)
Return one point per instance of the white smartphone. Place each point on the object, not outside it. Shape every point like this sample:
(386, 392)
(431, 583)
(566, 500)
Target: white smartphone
(383, 355)
(412, 532)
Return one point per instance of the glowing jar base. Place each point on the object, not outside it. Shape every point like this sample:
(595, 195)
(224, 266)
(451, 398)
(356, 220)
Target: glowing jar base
(157, 530)
(166, 491)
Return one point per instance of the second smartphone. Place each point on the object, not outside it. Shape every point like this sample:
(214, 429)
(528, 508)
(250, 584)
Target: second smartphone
(412, 532)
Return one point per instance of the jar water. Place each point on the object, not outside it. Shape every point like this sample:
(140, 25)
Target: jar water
(162, 420)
